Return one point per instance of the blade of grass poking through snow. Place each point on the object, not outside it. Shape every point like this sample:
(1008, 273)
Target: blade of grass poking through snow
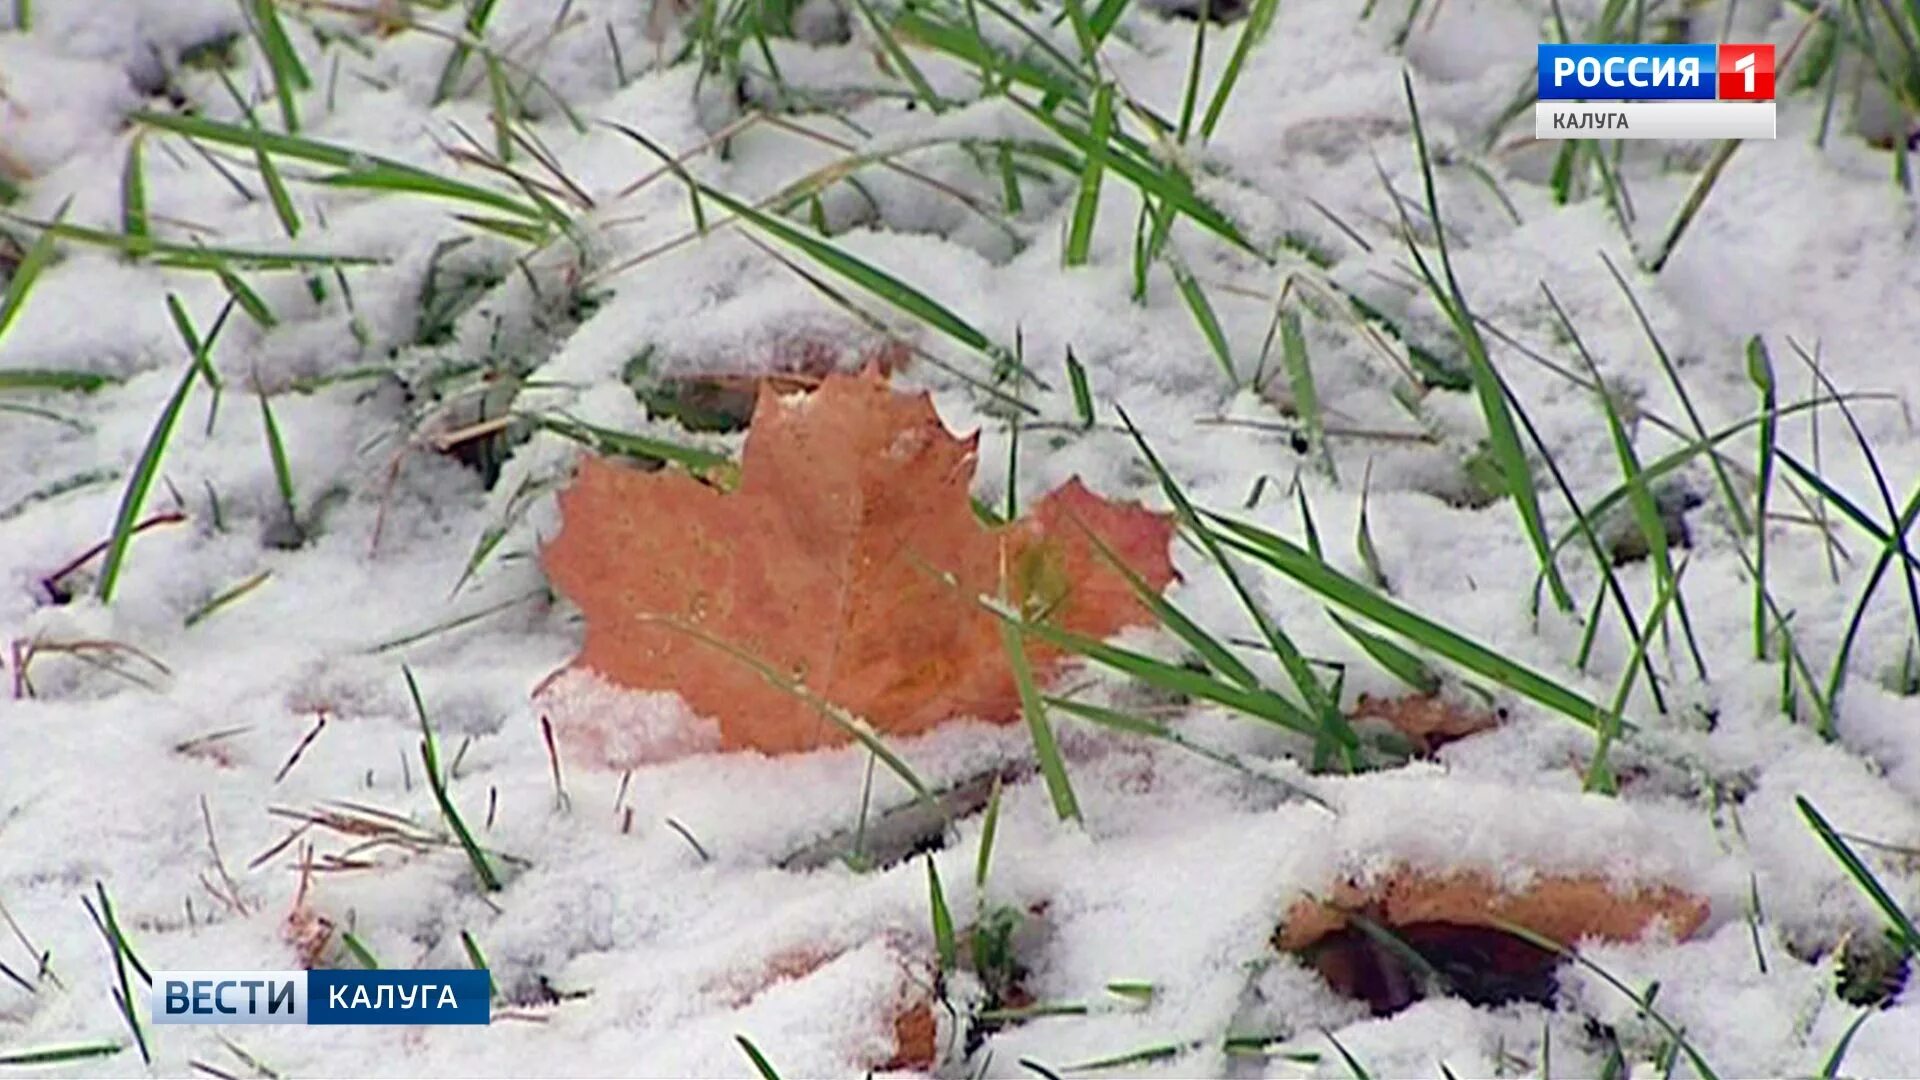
(1727, 491)
(1503, 437)
(1642, 1001)
(1082, 393)
(1289, 559)
(989, 827)
(1306, 395)
(277, 452)
(479, 960)
(1600, 775)
(27, 271)
(1646, 510)
(225, 597)
(289, 75)
(1832, 1068)
(899, 59)
(1034, 707)
(1190, 98)
(1334, 732)
(133, 193)
(141, 482)
(1203, 316)
(1696, 198)
(1899, 925)
(1253, 30)
(357, 168)
(478, 12)
(1398, 662)
(944, 947)
(1760, 373)
(1087, 205)
(430, 757)
(760, 1063)
(361, 954)
(122, 953)
(59, 1055)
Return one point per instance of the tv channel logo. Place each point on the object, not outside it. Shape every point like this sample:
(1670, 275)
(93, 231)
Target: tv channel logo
(1656, 72)
(385, 996)
(1655, 91)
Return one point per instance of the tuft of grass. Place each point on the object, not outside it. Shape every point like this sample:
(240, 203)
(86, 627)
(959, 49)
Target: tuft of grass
(1335, 734)
(290, 76)
(1502, 435)
(357, 169)
(1642, 1000)
(479, 12)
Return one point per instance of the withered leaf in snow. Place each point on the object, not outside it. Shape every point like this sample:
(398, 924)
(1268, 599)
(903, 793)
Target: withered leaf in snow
(1454, 920)
(849, 558)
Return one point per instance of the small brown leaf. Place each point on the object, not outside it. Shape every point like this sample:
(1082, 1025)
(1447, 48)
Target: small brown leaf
(1429, 721)
(849, 558)
(1455, 920)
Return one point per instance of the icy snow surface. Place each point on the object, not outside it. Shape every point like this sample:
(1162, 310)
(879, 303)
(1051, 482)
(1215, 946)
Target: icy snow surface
(115, 774)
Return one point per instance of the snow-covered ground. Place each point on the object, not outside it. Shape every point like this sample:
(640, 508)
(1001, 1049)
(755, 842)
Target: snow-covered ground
(163, 773)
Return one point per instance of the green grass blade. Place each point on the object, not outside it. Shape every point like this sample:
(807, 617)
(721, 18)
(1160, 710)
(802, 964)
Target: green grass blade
(1087, 205)
(59, 1055)
(989, 827)
(430, 758)
(134, 221)
(760, 1064)
(277, 451)
(1082, 393)
(28, 271)
(141, 482)
(358, 169)
(478, 14)
(1253, 29)
(361, 954)
(1203, 317)
(1899, 924)
(1052, 766)
(946, 950)
(1399, 662)
(1502, 434)
(1283, 555)
(1306, 394)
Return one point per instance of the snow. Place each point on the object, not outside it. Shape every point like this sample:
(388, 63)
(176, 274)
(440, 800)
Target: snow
(290, 700)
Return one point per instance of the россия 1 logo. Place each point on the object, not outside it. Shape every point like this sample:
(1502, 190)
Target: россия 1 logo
(1655, 92)
(384, 996)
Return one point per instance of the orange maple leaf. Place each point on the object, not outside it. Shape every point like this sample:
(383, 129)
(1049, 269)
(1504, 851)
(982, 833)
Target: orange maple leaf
(848, 558)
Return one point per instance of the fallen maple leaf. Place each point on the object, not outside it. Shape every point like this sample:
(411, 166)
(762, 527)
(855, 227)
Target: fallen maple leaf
(850, 559)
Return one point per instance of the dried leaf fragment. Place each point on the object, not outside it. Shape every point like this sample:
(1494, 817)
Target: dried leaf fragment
(849, 559)
(1454, 921)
